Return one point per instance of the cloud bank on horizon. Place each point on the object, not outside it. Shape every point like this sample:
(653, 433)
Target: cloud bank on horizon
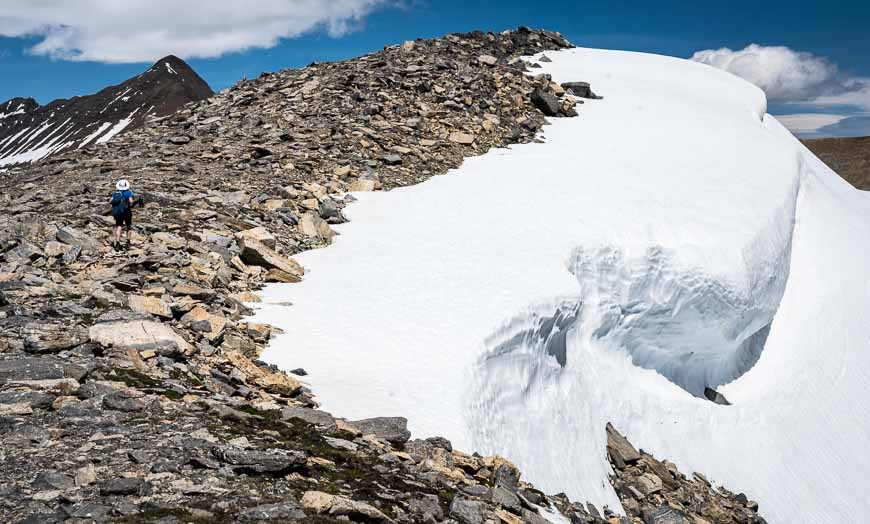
(145, 30)
(812, 95)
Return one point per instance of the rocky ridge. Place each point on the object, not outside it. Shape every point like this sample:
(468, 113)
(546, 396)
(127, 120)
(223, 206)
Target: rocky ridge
(130, 388)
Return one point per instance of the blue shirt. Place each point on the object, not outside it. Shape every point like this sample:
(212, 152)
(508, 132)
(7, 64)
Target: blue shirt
(127, 194)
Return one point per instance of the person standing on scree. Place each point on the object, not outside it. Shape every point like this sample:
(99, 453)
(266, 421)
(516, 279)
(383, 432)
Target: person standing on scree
(122, 210)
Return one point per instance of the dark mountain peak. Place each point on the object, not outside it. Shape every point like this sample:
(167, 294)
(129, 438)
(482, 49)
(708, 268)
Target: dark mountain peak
(176, 71)
(31, 132)
(171, 64)
(171, 59)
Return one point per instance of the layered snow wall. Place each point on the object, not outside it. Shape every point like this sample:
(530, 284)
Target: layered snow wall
(671, 238)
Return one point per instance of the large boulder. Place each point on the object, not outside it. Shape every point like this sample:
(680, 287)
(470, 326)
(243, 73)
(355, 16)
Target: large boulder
(581, 89)
(150, 305)
(259, 234)
(74, 237)
(254, 461)
(39, 368)
(215, 323)
(277, 382)
(312, 225)
(24, 253)
(138, 334)
(258, 254)
(45, 337)
(392, 429)
(461, 138)
(312, 416)
(620, 449)
(546, 102)
(665, 515)
(338, 506)
(362, 184)
(468, 511)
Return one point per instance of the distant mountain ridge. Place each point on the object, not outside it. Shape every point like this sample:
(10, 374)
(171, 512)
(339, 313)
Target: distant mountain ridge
(848, 156)
(30, 132)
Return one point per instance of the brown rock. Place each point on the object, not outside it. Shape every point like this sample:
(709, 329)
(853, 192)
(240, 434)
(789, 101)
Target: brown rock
(312, 225)
(259, 234)
(362, 184)
(216, 322)
(258, 254)
(461, 138)
(137, 334)
(150, 305)
(620, 449)
(276, 382)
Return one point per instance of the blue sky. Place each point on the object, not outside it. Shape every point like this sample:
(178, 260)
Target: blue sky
(834, 31)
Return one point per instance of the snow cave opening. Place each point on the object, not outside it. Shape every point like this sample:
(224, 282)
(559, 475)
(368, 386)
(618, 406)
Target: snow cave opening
(695, 330)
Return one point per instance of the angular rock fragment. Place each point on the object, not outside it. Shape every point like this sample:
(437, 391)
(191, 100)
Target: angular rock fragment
(257, 254)
(581, 89)
(392, 429)
(125, 486)
(46, 337)
(620, 449)
(312, 225)
(259, 234)
(468, 511)
(272, 461)
(461, 138)
(150, 305)
(715, 397)
(338, 506)
(546, 102)
(138, 334)
(284, 511)
(665, 515)
(39, 368)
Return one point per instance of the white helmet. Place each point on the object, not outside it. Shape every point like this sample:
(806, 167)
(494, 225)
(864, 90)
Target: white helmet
(122, 185)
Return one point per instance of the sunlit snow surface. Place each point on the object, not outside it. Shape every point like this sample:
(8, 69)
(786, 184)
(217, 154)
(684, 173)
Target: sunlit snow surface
(672, 237)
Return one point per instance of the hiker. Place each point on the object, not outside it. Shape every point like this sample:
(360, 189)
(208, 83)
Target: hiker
(122, 210)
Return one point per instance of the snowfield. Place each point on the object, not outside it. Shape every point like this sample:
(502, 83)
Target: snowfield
(673, 237)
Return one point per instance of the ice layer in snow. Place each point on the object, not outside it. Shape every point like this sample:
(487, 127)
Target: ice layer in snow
(673, 237)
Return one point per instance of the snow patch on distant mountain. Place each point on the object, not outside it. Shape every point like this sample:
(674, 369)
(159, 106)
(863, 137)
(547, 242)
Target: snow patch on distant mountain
(97, 118)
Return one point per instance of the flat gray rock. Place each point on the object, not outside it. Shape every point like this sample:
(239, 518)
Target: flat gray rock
(392, 429)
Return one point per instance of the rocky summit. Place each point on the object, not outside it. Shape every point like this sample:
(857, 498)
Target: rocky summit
(130, 385)
(29, 131)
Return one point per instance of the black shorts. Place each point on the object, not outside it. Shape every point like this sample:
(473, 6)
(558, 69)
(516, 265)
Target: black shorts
(125, 218)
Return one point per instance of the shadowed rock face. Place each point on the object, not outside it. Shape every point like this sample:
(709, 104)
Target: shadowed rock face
(31, 132)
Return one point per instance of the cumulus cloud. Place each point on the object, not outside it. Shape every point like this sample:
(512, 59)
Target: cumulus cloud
(789, 76)
(145, 30)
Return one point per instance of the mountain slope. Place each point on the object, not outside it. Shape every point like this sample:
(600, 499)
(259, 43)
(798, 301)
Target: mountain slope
(673, 238)
(31, 132)
(849, 157)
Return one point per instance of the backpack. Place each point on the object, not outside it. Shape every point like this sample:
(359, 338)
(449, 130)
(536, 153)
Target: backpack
(120, 203)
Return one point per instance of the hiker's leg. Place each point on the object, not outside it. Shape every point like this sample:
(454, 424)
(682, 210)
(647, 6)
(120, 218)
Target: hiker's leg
(128, 221)
(117, 233)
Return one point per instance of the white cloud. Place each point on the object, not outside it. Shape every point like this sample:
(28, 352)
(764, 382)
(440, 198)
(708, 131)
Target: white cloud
(808, 122)
(789, 76)
(145, 30)
(858, 95)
